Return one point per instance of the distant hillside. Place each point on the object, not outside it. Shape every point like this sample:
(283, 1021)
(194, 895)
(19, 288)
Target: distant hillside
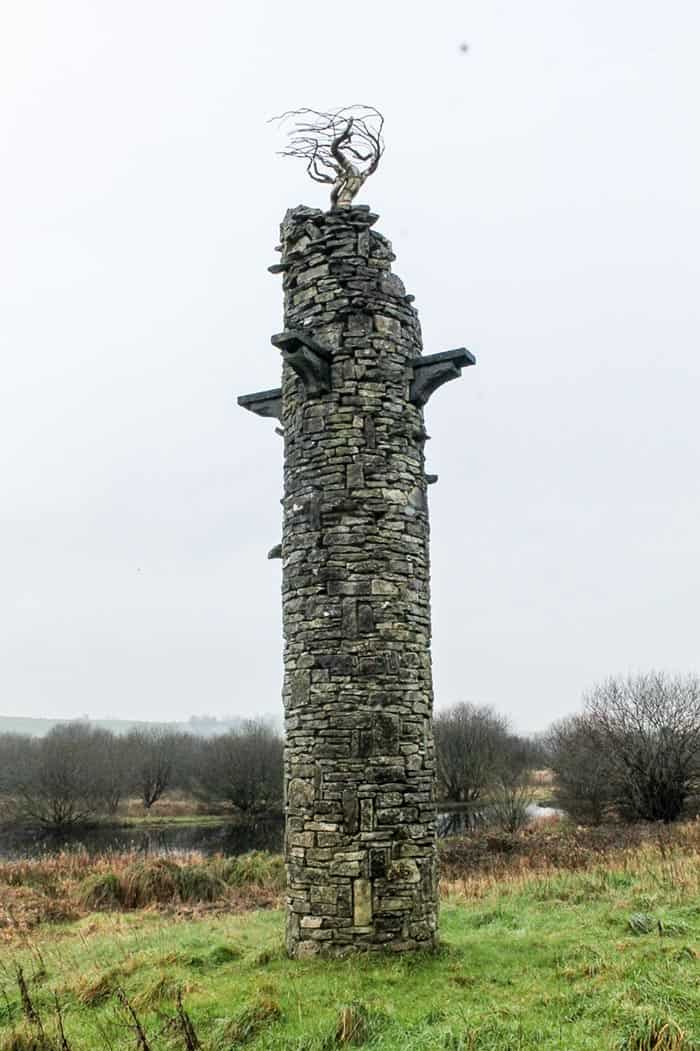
(206, 726)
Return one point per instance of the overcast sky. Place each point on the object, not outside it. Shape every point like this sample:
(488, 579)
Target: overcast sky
(541, 192)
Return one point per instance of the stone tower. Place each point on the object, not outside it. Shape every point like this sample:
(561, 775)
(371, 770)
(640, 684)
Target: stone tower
(359, 759)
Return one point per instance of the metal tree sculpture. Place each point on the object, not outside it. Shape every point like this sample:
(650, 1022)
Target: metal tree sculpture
(341, 148)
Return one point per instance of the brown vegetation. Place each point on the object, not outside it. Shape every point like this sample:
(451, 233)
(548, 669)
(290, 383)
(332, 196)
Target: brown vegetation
(634, 751)
(78, 774)
(69, 885)
(474, 863)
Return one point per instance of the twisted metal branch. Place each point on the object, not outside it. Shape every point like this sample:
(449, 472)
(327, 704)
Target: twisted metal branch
(336, 145)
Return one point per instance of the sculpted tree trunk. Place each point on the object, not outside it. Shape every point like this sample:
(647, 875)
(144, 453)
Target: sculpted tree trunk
(335, 145)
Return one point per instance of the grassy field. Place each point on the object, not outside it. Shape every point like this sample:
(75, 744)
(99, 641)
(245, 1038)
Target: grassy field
(554, 958)
(165, 821)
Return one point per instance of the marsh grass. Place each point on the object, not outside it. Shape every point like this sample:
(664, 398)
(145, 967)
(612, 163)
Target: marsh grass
(24, 1038)
(56, 887)
(357, 1025)
(543, 960)
(200, 883)
(94, 988)
(656, 1033)
(160, 991)
(255, 867)
(74, 883)
(154, 882)
(102, 890)
(544, 957)
(251, 1020)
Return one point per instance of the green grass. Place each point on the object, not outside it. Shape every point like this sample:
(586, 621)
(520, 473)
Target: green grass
(561, 962)
(166, 821)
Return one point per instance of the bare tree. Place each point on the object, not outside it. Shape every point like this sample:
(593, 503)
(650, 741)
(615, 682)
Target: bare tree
(14, 756)
(152, 759)
(511, 800)
(577, 755)
(57, 785)
(16, 759)
(649, 728)
(109, 762)
(341, 147)
(243, 767)
(470, 749)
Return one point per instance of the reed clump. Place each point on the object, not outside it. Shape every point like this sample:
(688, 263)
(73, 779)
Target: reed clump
(475, 864)
(71, 884)
(68, 885)
(657, 1033)
(250, 1022)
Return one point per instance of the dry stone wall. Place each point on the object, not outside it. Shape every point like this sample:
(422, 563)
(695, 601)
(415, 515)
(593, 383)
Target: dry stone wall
(359, 759)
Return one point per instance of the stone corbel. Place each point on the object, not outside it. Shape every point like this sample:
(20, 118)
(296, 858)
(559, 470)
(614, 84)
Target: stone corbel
(310, 360)
(432, 371)
(266, 403)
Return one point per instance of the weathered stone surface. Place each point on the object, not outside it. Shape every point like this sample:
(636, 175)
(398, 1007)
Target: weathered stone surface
(359, 763)
(299, 793)
(309, 359)
(362, 903)
(263, 403)
(404, 871)
(431, 372)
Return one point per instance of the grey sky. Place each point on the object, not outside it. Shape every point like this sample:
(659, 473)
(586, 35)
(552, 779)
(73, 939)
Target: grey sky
(541, 192)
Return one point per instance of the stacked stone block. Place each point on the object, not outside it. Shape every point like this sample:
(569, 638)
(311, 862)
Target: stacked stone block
(359, 758)
(360, 840)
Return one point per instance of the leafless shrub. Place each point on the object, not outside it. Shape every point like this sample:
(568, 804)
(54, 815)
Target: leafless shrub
(649, 728)
(635, 750)
(511, 801)
(469, 742)
(153, 762)
(63, 780)
(476, 752)
(243, 767)
(582, 767)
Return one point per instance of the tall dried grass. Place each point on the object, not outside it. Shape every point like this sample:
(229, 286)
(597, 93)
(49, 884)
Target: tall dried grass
(70, 884)
(474, 866)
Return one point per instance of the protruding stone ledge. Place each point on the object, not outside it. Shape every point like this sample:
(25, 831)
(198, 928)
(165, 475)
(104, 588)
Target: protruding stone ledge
(309, 359)
(266, 403)
(432, 371)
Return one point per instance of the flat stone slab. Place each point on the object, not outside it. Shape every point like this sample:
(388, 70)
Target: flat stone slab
(431, 371)
(309, 359)
(267, 403)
